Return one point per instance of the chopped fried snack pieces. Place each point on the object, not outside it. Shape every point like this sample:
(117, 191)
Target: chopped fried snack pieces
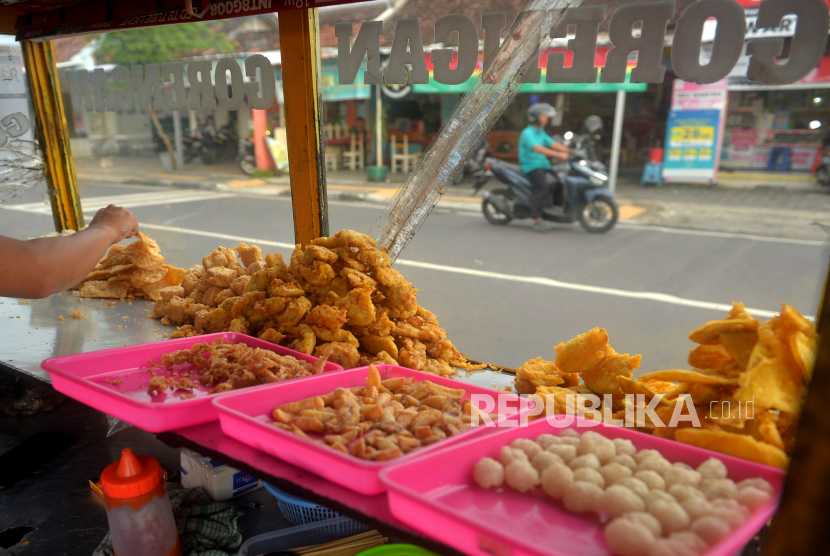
(386, 419)
(339, 290)
(228, 366)
(690, 517)
(137, 270)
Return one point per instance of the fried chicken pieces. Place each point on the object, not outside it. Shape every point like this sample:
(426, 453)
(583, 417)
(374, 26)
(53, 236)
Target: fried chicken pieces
(137, 270)
(229, 366)
(747, 384)
(381, 421)
(339, 290)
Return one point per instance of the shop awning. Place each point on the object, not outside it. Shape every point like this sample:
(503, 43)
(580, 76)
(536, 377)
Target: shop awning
(433, 87)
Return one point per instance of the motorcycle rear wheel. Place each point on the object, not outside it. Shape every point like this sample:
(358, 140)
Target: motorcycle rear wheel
(206, 157)
(598, 216)
(492, 213)
(248, 165)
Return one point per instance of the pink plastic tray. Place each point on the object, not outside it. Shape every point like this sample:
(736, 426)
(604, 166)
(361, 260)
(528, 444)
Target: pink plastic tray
(437, 495)
(246, 416)
(88, 377)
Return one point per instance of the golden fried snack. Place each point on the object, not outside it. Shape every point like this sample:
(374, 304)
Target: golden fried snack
(137, 270)
(382, 420)
(583, 352)
(537, 372)
(738, 445)
(340, 290)
(603, 377)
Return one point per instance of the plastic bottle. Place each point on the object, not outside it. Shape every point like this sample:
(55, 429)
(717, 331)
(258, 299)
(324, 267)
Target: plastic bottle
(138, 509)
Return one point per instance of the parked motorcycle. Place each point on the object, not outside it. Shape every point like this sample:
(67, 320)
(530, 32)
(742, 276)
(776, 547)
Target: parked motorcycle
(222, 145)
(192, 146)
(246, 158)
(588, 200)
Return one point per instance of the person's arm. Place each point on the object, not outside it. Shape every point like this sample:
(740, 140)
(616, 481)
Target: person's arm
(40, 267)
(552, 152)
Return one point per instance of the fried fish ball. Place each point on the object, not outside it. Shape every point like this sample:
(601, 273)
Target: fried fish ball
(690, 543)
(718, 488)
(555, 479)
(658, 465)
(594, 443)
(613, 472)
(624, 447)
(543, 460)
(588, 460)
(679, 476)
(508, 455)
(626, 537)
(530, 448)
(670, 547)
(636, 486)
(571, 441)
(646, 519)
(582, 496)
(712, 468)
(671, 515)
(545, 440)
(583, 352)
(696, 507)
(521, 476)
(589, 475)
(710, 528)
(626, 461)
(652, 479)
(618, 500)
(681, 493)
(569, 433)
(759, 483)
(564, 451)
(488, 473)
(753, 498)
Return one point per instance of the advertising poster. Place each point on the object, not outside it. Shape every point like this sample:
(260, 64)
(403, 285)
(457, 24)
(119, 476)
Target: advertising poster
(694, 132)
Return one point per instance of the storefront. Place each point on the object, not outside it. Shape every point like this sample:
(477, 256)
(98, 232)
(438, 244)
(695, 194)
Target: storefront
(329, 378)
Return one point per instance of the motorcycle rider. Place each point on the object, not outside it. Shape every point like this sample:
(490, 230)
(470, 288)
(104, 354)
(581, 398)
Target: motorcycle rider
(536, 148)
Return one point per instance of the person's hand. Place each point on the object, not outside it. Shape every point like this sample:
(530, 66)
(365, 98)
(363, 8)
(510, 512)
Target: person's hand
(118, 221)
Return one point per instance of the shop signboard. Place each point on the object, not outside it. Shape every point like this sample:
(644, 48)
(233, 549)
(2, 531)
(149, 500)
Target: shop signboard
(434, 87)
(334, 91)
(694, 131)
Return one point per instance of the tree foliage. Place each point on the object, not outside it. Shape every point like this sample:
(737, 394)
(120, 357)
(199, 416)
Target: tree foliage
(162, 43)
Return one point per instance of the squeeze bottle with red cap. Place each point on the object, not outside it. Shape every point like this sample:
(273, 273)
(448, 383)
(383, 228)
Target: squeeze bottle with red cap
(138, 509)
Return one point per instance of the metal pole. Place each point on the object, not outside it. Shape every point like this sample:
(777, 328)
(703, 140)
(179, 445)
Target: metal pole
(177, 139)
(619, 114)
(378, 130)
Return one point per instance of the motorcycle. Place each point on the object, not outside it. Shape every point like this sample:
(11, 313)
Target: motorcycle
(823, 169)
(588, 200)
(246, 158)
(475, 163)
(223, 144)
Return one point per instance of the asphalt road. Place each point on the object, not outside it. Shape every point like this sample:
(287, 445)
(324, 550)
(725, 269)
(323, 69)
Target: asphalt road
(504, 294)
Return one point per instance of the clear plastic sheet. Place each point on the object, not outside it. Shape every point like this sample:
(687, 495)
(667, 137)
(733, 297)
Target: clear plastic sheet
(481, 106)
(116, 425)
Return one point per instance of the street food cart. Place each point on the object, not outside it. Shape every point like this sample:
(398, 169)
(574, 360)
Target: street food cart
(38, 330)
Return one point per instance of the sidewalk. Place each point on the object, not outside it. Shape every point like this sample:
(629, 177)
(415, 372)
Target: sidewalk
(779, 206)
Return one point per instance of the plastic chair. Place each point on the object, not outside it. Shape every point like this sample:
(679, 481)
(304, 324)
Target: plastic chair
(780, 159)
(332, 159)
(353, 158)
(652, 174)
(401, 157)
